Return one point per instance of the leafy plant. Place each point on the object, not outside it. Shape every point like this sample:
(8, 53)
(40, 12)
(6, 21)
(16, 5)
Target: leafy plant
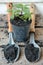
(20, 9)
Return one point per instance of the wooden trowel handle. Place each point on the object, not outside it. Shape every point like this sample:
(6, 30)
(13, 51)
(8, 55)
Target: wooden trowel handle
(32, 10)
(9, 6)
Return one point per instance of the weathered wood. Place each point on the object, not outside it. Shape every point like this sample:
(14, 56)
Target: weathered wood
(38, 36)
(38, 31)
(39, 20)
(22, 60)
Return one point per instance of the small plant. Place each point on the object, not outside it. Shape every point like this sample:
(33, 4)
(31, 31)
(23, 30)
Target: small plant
(21, 11)
(20, 20)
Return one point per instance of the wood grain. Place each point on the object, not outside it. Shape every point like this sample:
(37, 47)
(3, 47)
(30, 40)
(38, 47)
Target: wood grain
(22, 60)
(38, 30)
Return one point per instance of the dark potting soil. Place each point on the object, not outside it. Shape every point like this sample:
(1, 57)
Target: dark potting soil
(31, 52)
(10, 53)
(19, 22)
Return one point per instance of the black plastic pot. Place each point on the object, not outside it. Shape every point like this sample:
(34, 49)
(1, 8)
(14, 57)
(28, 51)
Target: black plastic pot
(21, 33)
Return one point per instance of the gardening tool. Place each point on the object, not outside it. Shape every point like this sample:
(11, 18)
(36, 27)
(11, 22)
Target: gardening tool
(11, 50)
(32, 48)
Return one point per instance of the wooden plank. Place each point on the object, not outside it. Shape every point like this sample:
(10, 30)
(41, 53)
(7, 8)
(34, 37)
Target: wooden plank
(22, 60)
(38, 37)
(39, 20)
(38, 33)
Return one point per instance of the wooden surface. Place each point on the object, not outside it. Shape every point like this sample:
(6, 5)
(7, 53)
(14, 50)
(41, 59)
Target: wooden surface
(4, 40)
(38, 27)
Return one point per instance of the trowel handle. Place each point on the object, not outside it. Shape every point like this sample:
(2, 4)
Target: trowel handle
(9, 6)
(32, 10)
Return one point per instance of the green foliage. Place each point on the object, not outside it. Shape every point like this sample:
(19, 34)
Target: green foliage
(20, 9)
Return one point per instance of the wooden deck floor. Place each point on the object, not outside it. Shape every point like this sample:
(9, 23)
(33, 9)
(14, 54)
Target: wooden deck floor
(22, 60)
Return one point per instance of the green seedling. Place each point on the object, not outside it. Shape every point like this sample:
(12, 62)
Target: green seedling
(20, 9)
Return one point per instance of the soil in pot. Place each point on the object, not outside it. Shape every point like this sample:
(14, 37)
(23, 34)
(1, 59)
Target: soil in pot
(20, 22)
(31, 52)
(10, 53)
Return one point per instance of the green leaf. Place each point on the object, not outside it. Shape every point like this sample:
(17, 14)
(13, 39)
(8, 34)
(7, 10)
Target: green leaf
(12, 17)
(18, 5)
(9, 10)
(18, 8)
